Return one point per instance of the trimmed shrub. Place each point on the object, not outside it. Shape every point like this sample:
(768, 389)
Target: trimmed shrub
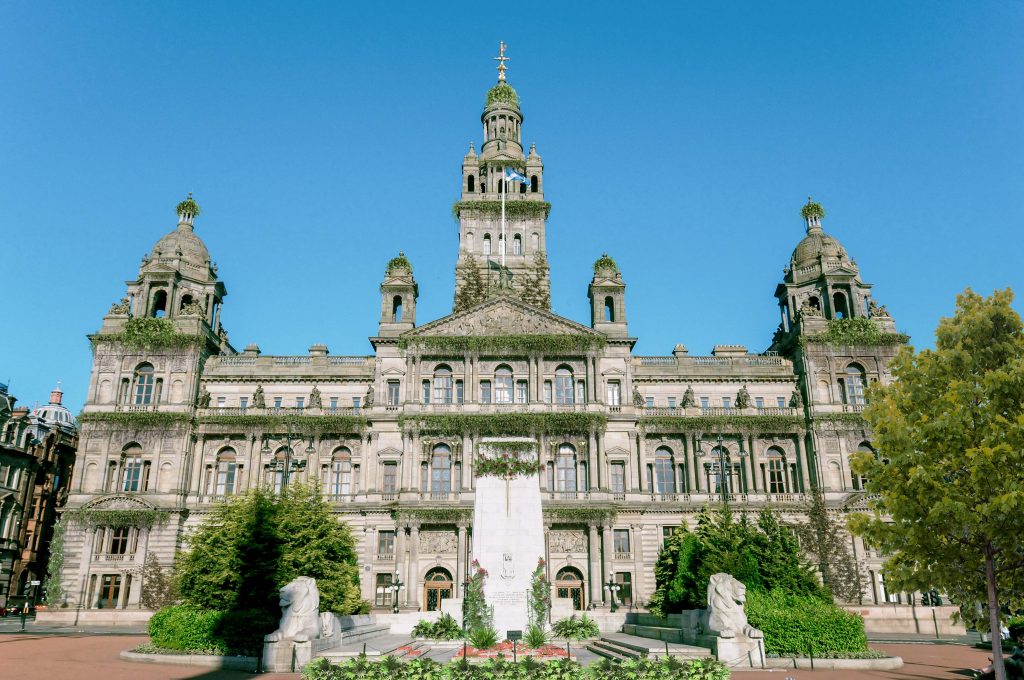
(576, 629)
(796, 625)
(217, 632)
(445, 628)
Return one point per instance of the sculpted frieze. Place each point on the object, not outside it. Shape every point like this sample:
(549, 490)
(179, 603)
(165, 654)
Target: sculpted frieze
(438, 542)
(567, 541)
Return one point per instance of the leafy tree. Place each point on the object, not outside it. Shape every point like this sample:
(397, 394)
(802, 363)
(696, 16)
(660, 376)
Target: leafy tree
(474, 289)
(314, 543)
(158, 584)
(780, 563)
(727, 546)
(826, 539)
(950, 481)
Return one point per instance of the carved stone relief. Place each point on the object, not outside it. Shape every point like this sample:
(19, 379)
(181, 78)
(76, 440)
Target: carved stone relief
(567, 541)
(438, 542)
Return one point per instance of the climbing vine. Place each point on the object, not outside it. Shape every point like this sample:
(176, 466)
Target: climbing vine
(149, 333)
(300, 424)
(433, 515)
(400, 262)
(98, 517)
(53, 592)
(605, 263)
(847, 418)
(856, 331)
(137, 420)
(737, 423)
(505, 465)
(513, 209)
(506, 424)
(545, 344)
(579, 515)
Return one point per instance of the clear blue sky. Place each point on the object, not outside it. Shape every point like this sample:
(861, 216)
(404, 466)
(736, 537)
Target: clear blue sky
(320, 138)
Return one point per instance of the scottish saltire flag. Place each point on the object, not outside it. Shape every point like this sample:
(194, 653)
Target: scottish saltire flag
(513, 176)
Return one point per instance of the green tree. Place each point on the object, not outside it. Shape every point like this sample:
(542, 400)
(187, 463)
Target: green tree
(534, 290)
(314, 543)
(727, 547)
(474, 289)
(158, 584)
(950, 477)
(827, 540)
(780, 563)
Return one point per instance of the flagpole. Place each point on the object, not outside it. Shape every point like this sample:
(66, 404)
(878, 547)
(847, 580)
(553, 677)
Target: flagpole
(504, 189)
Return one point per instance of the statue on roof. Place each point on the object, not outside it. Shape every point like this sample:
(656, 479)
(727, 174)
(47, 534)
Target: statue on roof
(874, 309)
(258, 400)
(689, 399)
(314, 398)
(121, 307)
(638, 399)
(743, 398)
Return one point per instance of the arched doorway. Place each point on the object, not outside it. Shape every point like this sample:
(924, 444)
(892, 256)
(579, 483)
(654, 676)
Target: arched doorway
(437, 586)
(569, 584)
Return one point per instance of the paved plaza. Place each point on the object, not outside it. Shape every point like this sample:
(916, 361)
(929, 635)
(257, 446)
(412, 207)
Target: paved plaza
(35, 656)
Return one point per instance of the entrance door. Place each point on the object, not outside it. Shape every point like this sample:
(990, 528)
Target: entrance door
(438, 587)
(110, 591)
(569, 584)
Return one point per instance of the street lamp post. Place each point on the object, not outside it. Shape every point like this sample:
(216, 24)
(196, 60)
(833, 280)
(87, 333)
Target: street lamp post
(723, 460)
(396, 586)
(611, 587)
(288, 465)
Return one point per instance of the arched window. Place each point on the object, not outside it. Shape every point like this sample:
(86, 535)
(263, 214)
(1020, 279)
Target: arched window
(853, 387)
(437, 586)
(535, 241)
(441, 470)
(564, 393)
(275, 470)
(134, 470)
(396, 308)
(835, 476)
(501, 245)
(664, 471)
(860, 481)
(719, 475)
(186, 299)
(442, 385)
(569, 586)
(517, 245)
(609, 309)
(534, 184)
(501, 184)
(144, 384)
(522, 188)
(565, 469)
(469, 241)
(776, 471)
(339, 475)
(503, 385)
(487, 244)
(839, 305)
(159, 309)
(224, 484)
(471, 184)
(813, 301)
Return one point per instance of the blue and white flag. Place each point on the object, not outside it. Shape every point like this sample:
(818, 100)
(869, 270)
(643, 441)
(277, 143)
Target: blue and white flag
(513, 176)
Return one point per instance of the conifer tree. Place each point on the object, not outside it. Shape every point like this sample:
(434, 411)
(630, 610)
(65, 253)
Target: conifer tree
(780, 563)
(474, 289)
(827, 541)
(534, 289)
(158, 587)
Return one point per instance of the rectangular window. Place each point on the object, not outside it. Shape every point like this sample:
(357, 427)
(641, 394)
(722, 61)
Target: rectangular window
(334, 402)
(443, 388)
(667, 532)
(665, 475)
(726, 402)
(649, 402)
(277, 402)
(780, 402)
(131, 479)
(614, 393)
(390, 484)
(564, 388)
(243, 402)
(485, 391)
(624, 580)
(386, 543)
(671, 402)
(220, 402)
(704, 403)
(384, 596)
(119, 541)
(460, 392)
(759, 402)
(393, 398)
(225, 478)
(503, 389)
(618, 477)
(547, 391)
(340, 481)
(521, 392)
(621, 537)
(581, 392)
(426, 391)
(110, 592)
(300, 402)
(356, 401)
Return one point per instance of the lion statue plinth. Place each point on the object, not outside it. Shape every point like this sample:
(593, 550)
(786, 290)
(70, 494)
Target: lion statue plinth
(300, 612)
(725, 615)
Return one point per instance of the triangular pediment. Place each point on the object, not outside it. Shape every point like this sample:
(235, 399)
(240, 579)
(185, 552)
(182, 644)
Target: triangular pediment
(501, 316)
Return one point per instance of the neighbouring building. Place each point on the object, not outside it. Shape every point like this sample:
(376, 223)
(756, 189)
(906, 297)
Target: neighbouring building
(176, 419)
(37, 457)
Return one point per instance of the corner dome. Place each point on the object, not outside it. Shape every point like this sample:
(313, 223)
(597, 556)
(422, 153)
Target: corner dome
(54, 414)
(818, 244)
(183, 242)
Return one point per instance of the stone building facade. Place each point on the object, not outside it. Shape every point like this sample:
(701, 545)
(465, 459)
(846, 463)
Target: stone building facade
(37, 458)
(632, 446)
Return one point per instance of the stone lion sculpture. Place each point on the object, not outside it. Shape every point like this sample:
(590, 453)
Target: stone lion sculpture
(300, 612)
(726, 597)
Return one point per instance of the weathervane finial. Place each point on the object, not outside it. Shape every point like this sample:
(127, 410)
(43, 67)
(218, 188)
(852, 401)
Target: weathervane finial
(501, 59)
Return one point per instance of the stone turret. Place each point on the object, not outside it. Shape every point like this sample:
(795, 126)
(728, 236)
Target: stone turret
(398, 295)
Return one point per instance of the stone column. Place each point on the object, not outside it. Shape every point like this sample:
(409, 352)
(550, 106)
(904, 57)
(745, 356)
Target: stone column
(592, 483)
(636, 474)
(639, 573)
(595, 566)
(641, 456)
(754, 464)
(803, 463)
(607, 544)
(401, 562)
(461, 561)
(366, 578)
(698, 467)
(467, 462)
(412, 582)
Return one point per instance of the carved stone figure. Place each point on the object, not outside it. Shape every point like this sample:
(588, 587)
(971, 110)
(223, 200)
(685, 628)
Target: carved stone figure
(567, 541)
(204, 399)
(258, 399)
(502, 318)
(508, 567)
(743, 398)
(875, 309)
(368, 402)
(809, 311)
(438, 543)
(689, 399)
(796, 400)
(726, 597)
(121, 307)
(314, 398)
(300, 612)
(192, 309)
(638, 399)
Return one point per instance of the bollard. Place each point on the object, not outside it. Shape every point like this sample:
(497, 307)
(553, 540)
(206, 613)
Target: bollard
(666, 649)
(514, 660)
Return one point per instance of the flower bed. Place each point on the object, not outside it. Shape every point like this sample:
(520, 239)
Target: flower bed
(504, 650)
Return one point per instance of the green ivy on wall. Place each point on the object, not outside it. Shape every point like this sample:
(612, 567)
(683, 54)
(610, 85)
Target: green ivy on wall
(856, 331)
(579, 515)
(546, 344)
(507, 424)
(847, 418)
(433, 515)
(726, 423)
(505, 465)
(300, 424)
(137, 420)
(506, 163)
(513, 209)
(53, 591)
(93, 517)
(149, 333)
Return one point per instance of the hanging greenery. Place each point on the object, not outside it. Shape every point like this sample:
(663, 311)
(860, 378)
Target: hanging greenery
(499, 163)
(433, 515)
(848, 418)
(546, 344)
(507, 424)
(300, 424)
(505, 465)
(137, 420)
(812, 209)
(53, 592)
(539, 596)
(579, 515)
(98, 517)
(150, 334)
(502, 93)
(604, 264)
(513, 209)
(188, 207)
(725, 423)
(856, 331)
(400, 262)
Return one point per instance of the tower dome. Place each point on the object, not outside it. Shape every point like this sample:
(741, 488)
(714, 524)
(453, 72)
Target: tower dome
(817, 246)
(183, 243)
(55, 412)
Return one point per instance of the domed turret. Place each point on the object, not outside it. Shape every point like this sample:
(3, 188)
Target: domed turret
(182, 243)
(55, 413)
(817, 245)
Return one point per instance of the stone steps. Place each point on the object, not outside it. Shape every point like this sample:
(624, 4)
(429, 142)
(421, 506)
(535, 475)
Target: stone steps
(612, 651)
(633, 646)
(362, 633)
(653, 632)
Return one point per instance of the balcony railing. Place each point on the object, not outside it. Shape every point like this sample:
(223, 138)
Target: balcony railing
(853, 408)
(623, 555)
(110, 557)
(385, 557)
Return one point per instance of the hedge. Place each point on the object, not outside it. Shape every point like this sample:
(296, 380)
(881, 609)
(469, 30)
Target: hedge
(1016, 627)
(218, 632)
(795, 625)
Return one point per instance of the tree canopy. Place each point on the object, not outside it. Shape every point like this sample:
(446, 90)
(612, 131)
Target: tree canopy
(948, 483)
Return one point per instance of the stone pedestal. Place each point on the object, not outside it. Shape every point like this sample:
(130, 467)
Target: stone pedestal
(508, 538)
